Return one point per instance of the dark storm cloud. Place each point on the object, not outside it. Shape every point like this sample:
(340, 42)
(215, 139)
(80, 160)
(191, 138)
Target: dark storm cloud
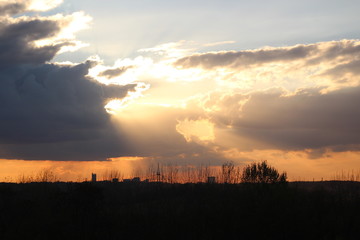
(307, 119)
(114, 72)
(17, 42)
(53, 103)
(51, 111)
(52, 106)
(310, 54)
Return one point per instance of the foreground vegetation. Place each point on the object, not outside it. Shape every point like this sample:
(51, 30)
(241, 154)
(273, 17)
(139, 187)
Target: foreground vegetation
(254, 202)
(227, 173)
(308, 210)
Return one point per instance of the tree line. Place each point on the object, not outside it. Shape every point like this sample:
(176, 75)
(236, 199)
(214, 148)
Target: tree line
(257, 172)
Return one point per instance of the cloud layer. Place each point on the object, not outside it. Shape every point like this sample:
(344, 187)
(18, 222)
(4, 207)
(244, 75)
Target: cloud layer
(309, 54)
(306, 119)
(330, 64)
(298, 98)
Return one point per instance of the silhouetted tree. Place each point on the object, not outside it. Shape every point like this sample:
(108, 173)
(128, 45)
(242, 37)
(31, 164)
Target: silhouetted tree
(228, 172)
(44, 175)
(262, 173)
(110, 174)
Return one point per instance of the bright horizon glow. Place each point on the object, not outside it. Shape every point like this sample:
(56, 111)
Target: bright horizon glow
(129, 167)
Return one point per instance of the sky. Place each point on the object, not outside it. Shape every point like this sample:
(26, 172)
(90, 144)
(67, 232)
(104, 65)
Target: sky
(88, 86)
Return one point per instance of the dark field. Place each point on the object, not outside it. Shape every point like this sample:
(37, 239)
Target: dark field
(303, 210)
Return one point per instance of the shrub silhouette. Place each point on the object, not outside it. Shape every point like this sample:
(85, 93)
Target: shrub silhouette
(262, 173)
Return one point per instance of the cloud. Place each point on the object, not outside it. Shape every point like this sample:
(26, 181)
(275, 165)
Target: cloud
(12, 7)
(53, 99)
(17, 42)
(42, 5)
(307, 119)
(218, 43)
(52, 111)
(344, 73)
(54, 105)
(307, 112)
(332, 65)
(153, 132)
(311, 53)
(114, 72)
(242, 59)
(35, 40)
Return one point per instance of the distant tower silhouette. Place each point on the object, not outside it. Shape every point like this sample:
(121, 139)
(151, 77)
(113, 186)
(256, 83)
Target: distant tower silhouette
(93, 177)
(158, 174)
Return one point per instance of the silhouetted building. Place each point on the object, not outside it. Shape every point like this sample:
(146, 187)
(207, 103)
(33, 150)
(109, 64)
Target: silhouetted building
(93, 177)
